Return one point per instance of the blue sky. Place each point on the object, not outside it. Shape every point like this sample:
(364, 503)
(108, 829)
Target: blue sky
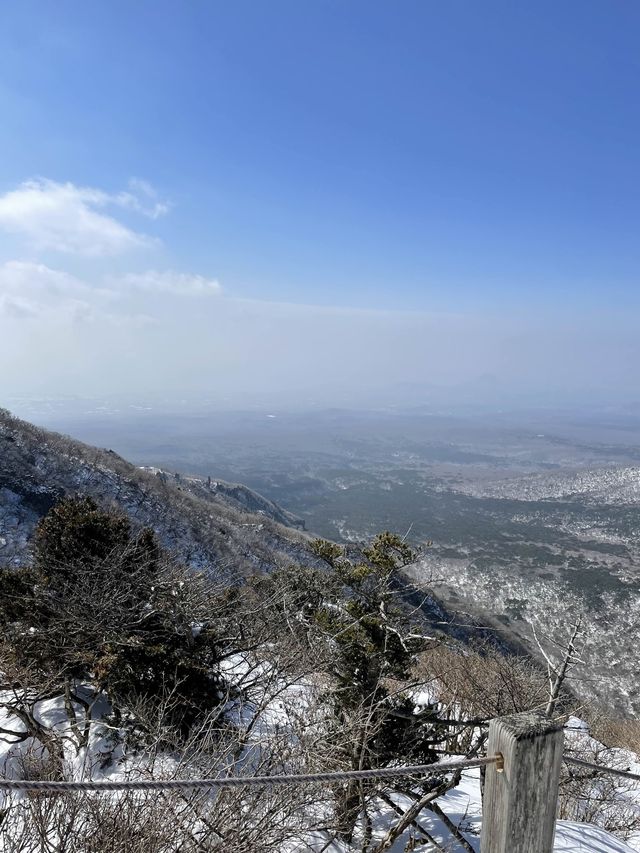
(460, 158)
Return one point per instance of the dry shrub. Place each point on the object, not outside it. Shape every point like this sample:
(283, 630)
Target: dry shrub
(589, 796)
(482, 683)
(612, 731)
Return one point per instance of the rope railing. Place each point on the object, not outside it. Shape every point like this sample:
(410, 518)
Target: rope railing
(52, 786)
(520, 791)
(241, 781)
(601, 768)
(285, 779)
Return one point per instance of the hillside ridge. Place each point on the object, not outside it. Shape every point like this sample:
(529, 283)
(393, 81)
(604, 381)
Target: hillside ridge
(216, 526)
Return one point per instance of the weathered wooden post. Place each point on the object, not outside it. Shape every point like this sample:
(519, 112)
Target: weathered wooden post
(519, 808)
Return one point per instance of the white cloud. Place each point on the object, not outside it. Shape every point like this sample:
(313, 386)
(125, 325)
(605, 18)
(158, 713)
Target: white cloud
(169, 281)
(142, 198)
(17, 308)
(67, 218)
(30, 290)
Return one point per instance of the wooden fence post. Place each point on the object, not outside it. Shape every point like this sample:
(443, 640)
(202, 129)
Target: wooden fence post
(519, 808)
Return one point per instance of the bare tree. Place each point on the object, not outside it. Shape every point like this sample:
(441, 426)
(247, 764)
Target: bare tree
(558, 668)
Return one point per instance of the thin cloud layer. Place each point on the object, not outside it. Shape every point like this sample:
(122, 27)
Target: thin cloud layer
(70, 219)
(137, 335)
(142, 198)
(168, 281)
(87, 330)
(31, 290)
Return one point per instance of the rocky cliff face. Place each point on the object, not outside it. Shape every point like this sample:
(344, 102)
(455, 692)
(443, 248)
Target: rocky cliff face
(223, 528)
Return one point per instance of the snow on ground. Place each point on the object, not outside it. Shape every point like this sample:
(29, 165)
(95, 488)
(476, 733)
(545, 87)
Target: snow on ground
(462, 805)
(612, 485)
(464, 802)
(584, 838)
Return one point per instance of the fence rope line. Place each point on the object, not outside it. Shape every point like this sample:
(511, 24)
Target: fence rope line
(290, 779)
(241, 781)
(627, 774)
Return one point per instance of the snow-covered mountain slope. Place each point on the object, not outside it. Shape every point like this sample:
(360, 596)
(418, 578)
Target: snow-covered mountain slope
(619, 485)
(607, 672)
(224, 528)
